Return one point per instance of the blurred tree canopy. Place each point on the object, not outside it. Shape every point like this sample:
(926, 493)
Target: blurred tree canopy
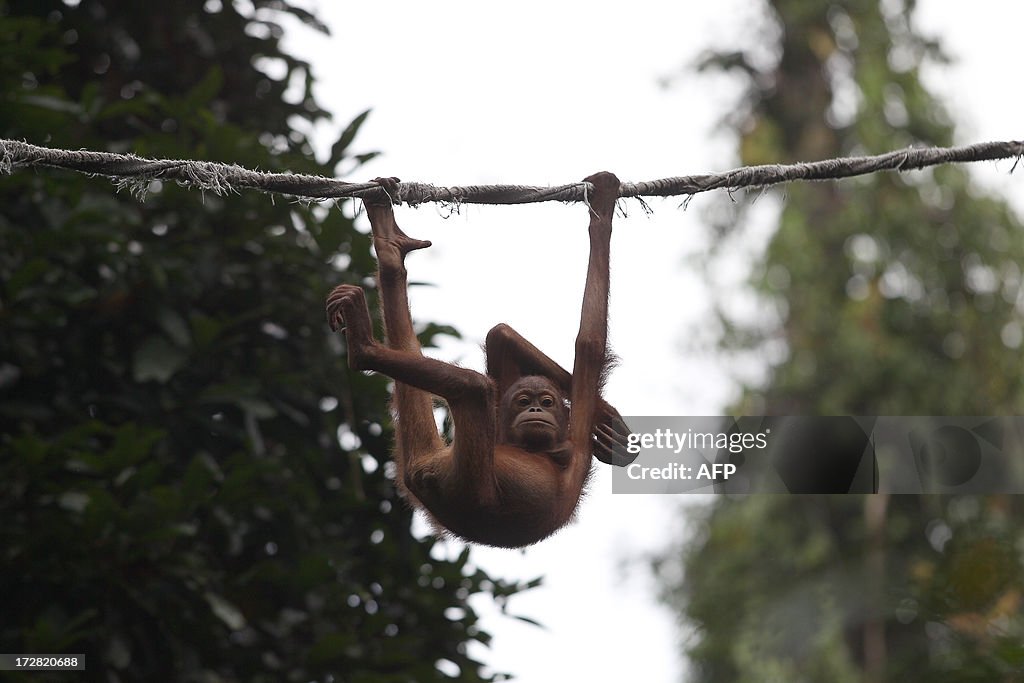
(887, 295)
(193, 486)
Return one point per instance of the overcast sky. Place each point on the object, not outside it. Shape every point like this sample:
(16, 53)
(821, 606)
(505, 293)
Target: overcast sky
(546, 93)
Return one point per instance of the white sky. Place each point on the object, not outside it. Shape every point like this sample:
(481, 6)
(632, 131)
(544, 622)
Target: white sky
(546, 93)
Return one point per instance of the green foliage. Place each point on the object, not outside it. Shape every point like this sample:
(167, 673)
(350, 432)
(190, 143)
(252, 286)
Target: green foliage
(177, 502)
(893, 293)
(889, 295)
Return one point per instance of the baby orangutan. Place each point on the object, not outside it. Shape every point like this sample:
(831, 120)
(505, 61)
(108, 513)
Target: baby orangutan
(524, 433)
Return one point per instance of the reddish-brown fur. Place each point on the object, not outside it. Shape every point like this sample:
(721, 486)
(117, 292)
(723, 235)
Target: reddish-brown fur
(518, 462)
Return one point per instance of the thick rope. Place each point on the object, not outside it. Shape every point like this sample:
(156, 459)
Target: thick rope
(136, 173)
